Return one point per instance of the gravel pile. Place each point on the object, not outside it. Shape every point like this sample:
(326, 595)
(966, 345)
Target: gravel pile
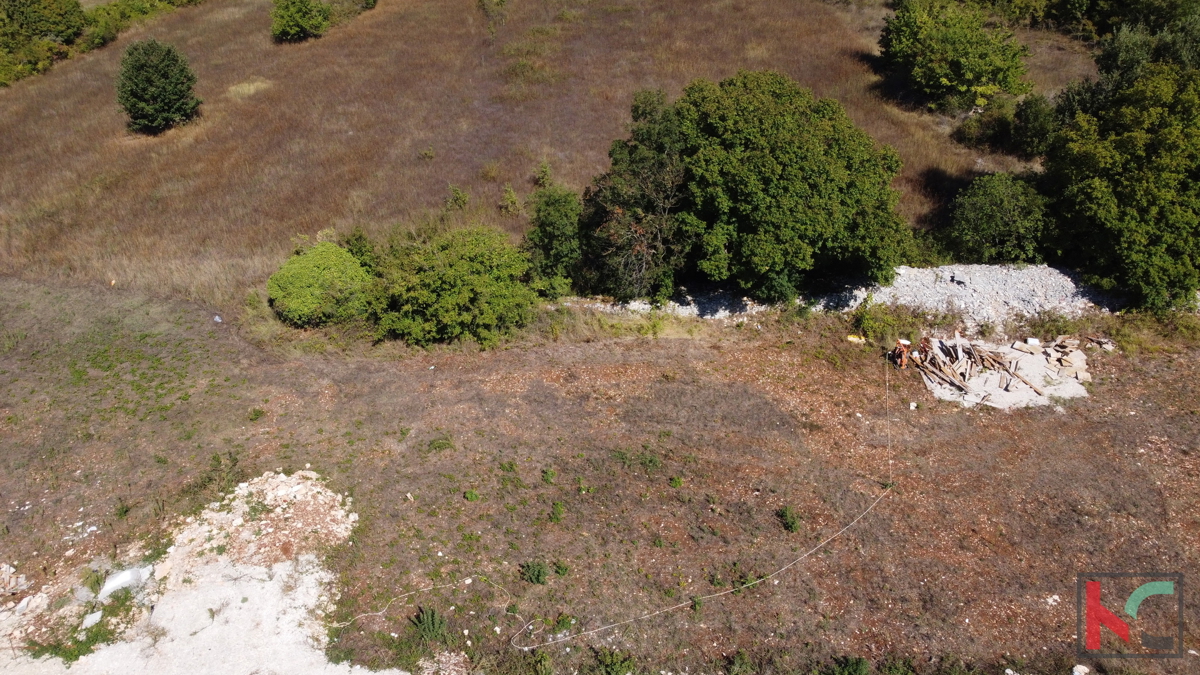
(982, 294)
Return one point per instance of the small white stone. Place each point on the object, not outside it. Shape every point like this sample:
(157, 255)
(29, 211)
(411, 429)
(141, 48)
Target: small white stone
(1080, 670)
(91, 620)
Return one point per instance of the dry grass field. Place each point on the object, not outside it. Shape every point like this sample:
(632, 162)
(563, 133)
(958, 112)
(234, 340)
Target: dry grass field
(652, 469)
(370, 124)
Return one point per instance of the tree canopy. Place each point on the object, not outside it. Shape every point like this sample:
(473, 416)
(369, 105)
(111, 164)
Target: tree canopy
(752, 181)
(950, 53)
(155, 87)
(1127, 176)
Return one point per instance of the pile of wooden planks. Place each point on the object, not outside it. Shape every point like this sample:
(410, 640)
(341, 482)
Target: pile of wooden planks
(955, 362)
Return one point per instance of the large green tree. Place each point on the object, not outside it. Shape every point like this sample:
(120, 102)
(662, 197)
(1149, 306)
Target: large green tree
(1127, 177)
(752, 181)
(950, 52)
(155, 87)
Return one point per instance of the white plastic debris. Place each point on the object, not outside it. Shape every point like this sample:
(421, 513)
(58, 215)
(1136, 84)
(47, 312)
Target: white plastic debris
(134, 576)
(91, 620)
(1080, 670)
(217, 318)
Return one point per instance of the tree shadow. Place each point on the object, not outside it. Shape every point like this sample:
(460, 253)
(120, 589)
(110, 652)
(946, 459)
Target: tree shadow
(940, 187)
(890, 86)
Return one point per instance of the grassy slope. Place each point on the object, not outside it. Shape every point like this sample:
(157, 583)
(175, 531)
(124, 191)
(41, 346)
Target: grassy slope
(111, 399)
(296, 138)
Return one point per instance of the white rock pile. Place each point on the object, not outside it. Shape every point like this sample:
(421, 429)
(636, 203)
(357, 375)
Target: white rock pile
(242, 590)
(982, 294)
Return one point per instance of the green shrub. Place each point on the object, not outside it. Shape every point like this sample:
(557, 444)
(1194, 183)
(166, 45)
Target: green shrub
(999, 219)
(613, 662)
(850, 665)
(789, 518)
(467, 284)
(56, 20)
(947, 52)
(553, 241)
(1128, 200)
(457, 200)
(510, 204)
(359, 245)
(1034, 123)
(534, 572)
(323, 284)
(753, 182)
(431, 626)
(296, 20)
(992, 127)
(155, 87)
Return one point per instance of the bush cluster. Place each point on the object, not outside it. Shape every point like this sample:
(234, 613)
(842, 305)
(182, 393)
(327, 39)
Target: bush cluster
(296, 20)
(949, 53)
(1094, 19)
(1121, 155)
(468, 284)
(751, 182)
(36, 33)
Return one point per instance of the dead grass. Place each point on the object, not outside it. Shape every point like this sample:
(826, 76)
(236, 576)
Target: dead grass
(296, 138)
(652, 469)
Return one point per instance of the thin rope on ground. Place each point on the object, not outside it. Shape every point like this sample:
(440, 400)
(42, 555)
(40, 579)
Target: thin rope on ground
(689, 603)
(405, 595)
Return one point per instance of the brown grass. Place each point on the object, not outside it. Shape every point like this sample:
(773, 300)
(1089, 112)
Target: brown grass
(296, 138)
(991, 514)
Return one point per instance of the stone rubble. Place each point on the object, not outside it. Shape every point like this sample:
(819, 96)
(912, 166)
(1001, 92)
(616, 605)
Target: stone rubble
(241, 590)
(982, 294)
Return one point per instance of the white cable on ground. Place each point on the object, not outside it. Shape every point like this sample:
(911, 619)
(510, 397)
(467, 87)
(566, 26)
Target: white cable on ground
(689, 603)
(405, 595)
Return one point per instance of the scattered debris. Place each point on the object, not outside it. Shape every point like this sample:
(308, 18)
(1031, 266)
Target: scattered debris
(857, 339)
(445, 663)
(1024, 374)
(11, 583)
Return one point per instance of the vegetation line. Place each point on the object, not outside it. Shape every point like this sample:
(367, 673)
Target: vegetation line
(691, 602)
